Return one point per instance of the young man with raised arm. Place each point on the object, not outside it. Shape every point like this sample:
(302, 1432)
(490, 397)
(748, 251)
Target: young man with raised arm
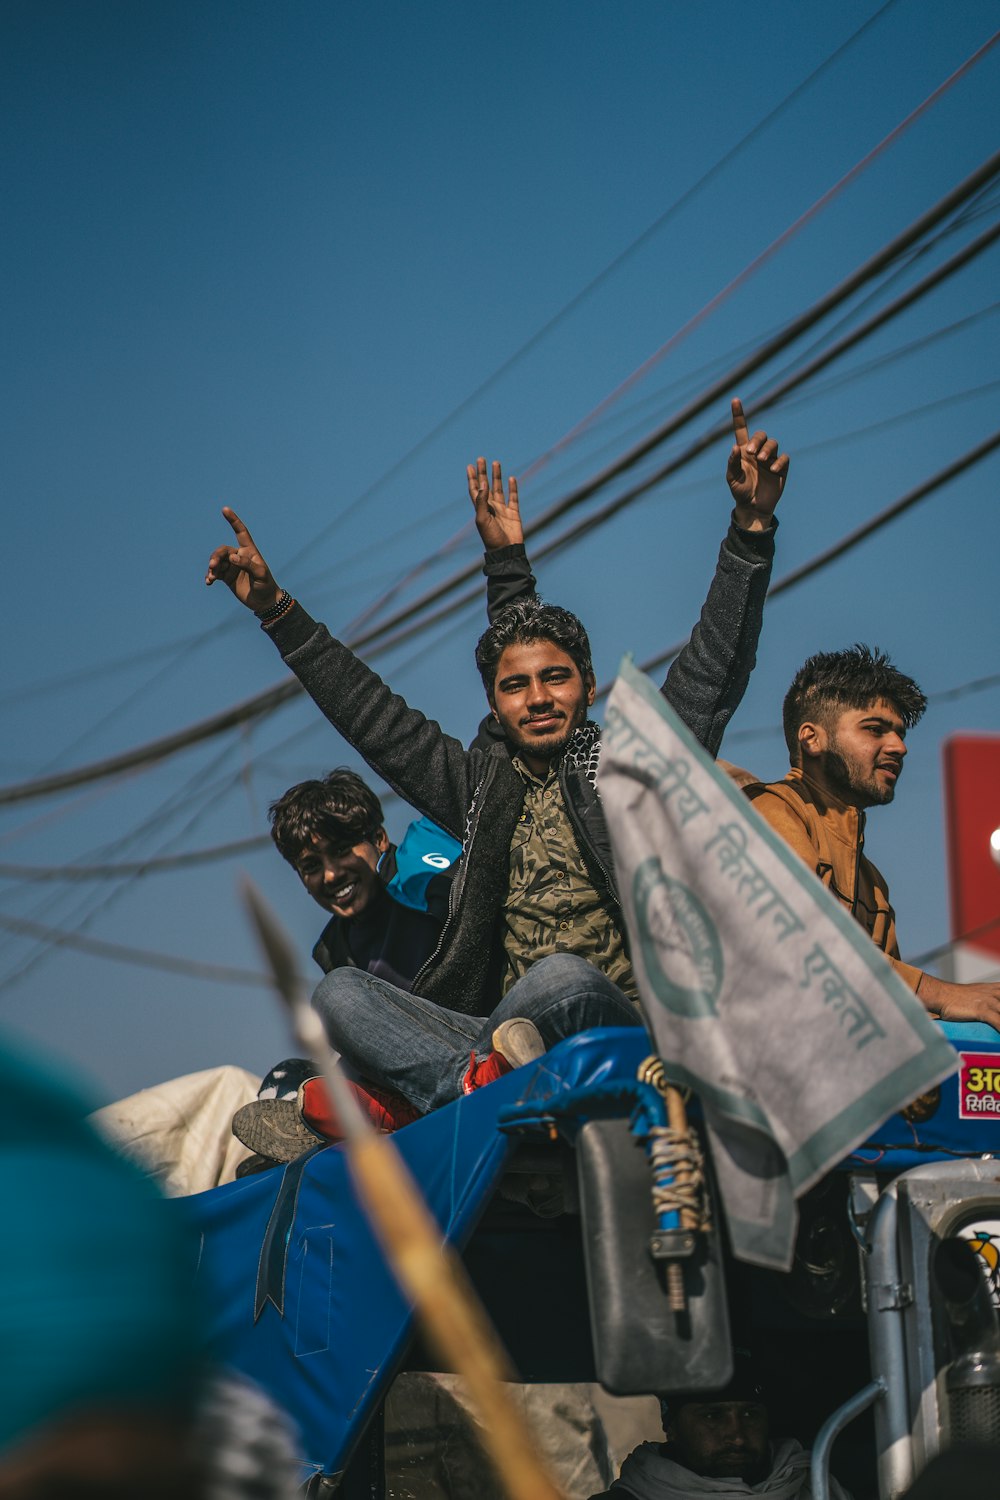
(533, 948)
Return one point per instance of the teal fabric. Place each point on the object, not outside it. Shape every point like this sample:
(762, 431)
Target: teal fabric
(425, 852)
(96, 1276)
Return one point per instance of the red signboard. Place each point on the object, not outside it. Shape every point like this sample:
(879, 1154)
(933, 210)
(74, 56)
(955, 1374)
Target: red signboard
(979, 1085)
(972, 810)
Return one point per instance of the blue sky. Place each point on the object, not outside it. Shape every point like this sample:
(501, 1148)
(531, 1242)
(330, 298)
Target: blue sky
(258, 254)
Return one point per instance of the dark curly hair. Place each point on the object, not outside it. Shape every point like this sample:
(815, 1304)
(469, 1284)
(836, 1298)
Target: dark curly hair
(341, 808)
(853, 678)
(530, 620)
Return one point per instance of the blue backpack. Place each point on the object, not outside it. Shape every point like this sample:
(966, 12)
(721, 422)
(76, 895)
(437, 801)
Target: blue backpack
(425, 851)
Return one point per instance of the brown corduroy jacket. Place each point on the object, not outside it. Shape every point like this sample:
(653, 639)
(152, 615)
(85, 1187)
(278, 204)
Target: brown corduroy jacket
(830, 838)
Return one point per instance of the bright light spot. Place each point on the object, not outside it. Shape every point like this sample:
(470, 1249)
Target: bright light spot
(995, 845)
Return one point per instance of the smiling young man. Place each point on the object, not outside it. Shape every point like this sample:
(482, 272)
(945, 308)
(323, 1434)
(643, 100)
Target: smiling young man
(533, 947)
(846, 716)
(332, 834)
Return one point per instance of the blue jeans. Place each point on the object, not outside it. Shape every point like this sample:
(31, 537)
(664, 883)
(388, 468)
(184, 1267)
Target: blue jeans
(423, 1051)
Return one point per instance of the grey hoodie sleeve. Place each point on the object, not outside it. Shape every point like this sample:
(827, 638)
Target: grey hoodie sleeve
(707, 681)
(410, 752)
(508, 578)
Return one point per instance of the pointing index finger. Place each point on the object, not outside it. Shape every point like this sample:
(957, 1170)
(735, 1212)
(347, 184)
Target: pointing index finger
(740, 430)
(243, 536)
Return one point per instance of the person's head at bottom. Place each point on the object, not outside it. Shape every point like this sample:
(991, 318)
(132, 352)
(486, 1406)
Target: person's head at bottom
(99, 1323)
(723, 1434)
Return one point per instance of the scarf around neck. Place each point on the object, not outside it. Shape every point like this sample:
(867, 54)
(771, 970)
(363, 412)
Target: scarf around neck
(648, 1475)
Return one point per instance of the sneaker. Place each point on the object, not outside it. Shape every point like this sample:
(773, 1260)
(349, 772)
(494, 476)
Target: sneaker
(283, 1129)
(515, 1042)
(387, 1110)
(275, 1128)
(518, 1041)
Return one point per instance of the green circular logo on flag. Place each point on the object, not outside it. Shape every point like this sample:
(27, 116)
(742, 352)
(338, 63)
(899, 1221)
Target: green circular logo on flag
(681, 952)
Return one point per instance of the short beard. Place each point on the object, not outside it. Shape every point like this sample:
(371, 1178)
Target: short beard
(547, 748)
(845, 776)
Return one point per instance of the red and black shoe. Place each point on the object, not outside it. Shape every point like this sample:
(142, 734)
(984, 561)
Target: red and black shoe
(282, 1129)
(387, 1110)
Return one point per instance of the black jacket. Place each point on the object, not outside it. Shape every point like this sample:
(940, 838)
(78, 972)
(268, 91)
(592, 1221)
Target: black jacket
(476, 794)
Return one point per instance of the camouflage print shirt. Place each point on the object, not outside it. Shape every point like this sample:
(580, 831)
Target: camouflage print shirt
(551, 905)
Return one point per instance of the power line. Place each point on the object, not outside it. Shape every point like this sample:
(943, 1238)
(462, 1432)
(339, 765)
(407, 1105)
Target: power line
(970, 188)
(723, 386)
(592, 285)
(179, 801)
(771, 397)
(853, 538)
(963, 937)
(786, 235)
(943, 695)
(272, 698)
(820, 388)
(153, 653)
(120, 953)
(217, 852)
(987, 196)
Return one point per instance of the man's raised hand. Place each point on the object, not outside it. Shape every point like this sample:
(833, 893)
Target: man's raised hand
(755, 473)
(242, 569)
(498, 520)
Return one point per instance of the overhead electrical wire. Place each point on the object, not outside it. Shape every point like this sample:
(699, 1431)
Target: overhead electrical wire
(771, 399)
(264, 840)
(121, 953)
(964, 937)
(136, 659)
(943, 695)
(861, 532)
(774, 395)
(903, 267)
(536, 465)
(818, 388)
(79, 677)
(188, 800)
(852, 538)
(591, 286)
(772, 249)
(270, 699)
(987, 201)
(216, 853)
(721, 388)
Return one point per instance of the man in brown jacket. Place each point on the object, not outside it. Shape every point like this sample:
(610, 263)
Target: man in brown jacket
(845, 719)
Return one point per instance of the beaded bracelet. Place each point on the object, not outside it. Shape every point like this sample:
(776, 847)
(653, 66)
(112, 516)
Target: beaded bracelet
(280, 607)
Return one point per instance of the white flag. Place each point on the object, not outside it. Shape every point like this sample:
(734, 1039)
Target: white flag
(760, 992)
